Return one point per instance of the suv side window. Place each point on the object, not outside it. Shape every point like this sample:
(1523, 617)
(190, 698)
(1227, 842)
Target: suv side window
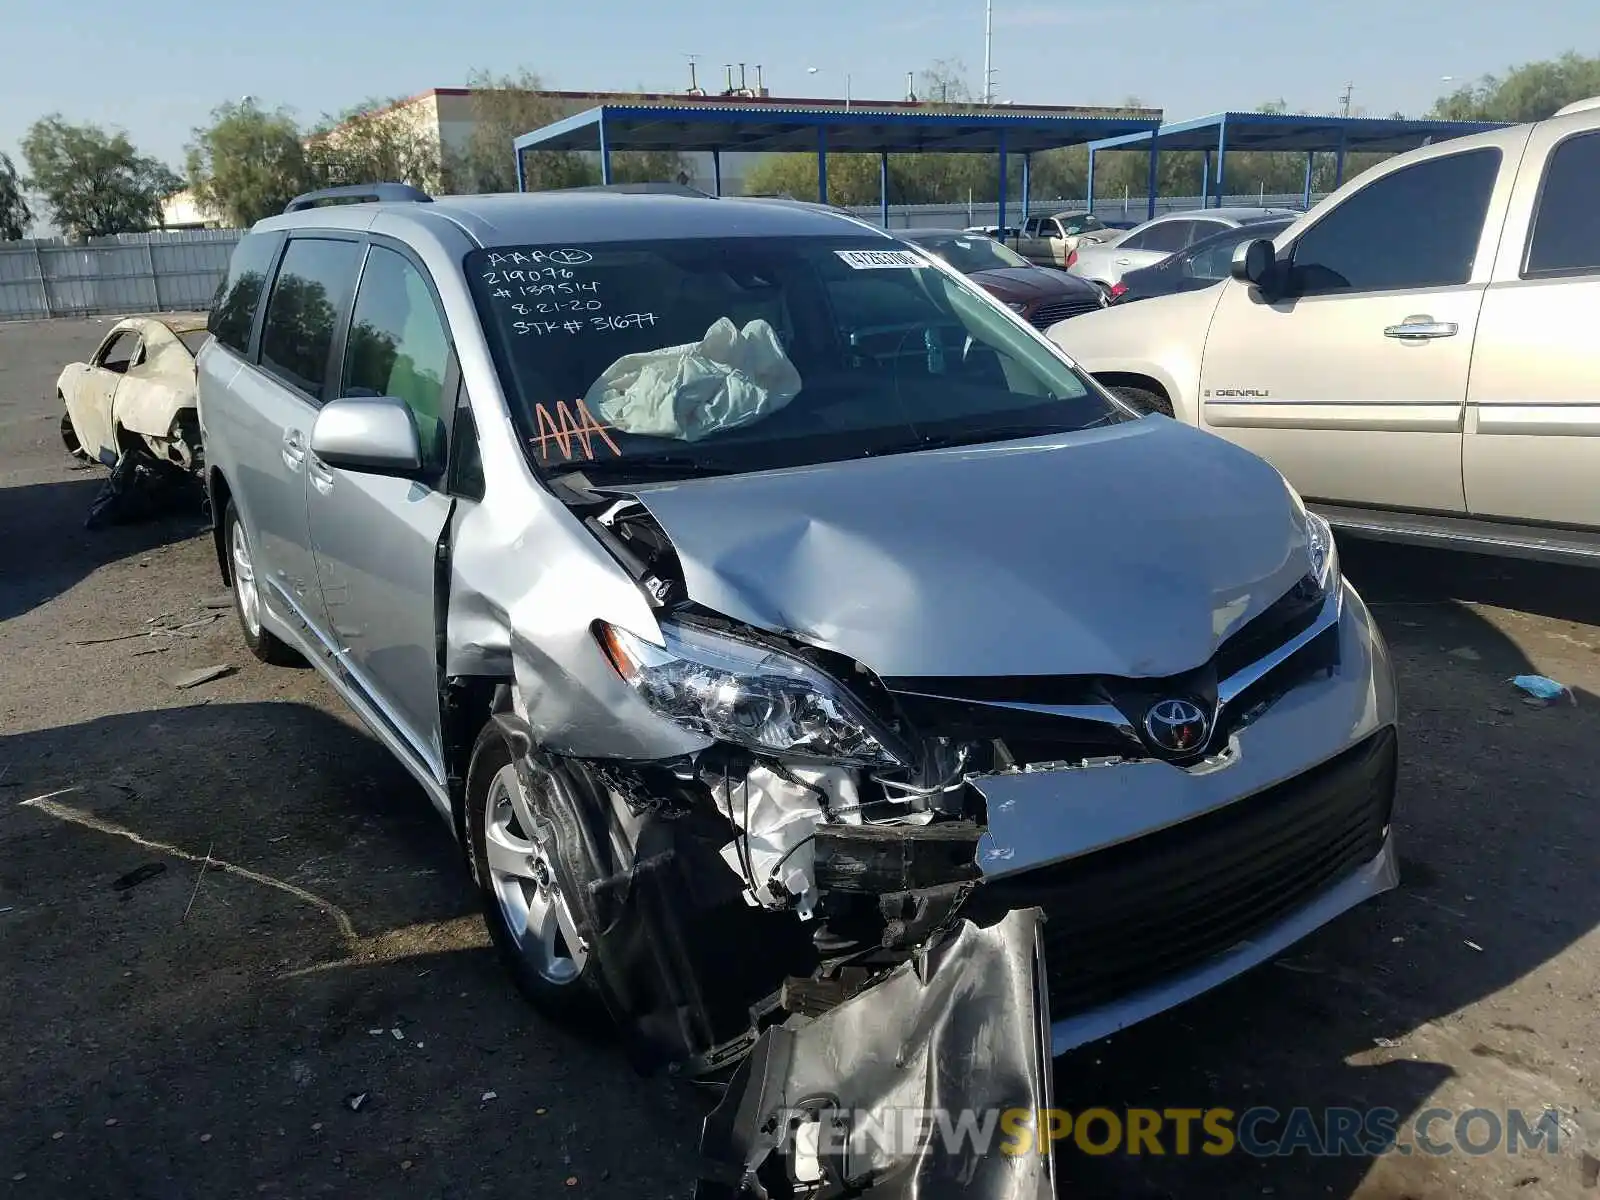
(1566, 223)
(309, 298)
(398, 346)
(233, 312)
(1417, 227)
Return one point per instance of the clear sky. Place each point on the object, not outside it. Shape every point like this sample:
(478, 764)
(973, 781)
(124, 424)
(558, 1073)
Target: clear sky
(156, 72)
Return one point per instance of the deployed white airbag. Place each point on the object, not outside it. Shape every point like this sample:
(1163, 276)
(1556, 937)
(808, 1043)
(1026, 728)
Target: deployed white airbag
(728, 378)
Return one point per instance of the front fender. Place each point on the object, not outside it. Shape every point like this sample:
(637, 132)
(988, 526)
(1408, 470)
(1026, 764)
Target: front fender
(1161, 341)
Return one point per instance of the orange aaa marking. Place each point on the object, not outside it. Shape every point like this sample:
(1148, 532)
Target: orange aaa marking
(568, 426)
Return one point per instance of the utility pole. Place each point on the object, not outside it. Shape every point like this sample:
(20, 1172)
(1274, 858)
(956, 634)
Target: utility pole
(988, 37)
(1344, 100)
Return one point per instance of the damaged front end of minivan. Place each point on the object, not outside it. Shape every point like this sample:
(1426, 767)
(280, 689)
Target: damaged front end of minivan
(771, 880)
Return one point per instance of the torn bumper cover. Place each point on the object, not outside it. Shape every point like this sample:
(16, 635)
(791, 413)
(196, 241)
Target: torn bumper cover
(899, 1091)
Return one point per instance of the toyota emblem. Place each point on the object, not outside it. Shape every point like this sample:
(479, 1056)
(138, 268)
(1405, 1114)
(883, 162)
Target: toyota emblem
(1177, 726)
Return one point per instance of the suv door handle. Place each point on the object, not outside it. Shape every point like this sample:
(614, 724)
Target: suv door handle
(1122, 262)
(294, 449)
(1421, 329)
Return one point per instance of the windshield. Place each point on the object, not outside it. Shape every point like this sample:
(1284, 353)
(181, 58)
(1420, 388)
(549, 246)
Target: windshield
(969, 252)
(742, 354)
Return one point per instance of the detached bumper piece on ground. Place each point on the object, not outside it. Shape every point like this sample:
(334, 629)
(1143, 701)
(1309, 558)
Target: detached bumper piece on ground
(820, 1106)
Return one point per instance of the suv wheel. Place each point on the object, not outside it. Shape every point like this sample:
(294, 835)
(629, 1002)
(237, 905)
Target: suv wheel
(533, 859)
(247, 595)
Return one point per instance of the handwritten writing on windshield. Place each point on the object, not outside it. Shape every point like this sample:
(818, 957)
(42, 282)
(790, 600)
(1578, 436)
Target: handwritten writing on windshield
(570, 430)
(610, 323)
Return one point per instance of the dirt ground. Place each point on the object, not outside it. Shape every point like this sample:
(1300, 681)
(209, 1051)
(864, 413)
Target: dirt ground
(171, 1031)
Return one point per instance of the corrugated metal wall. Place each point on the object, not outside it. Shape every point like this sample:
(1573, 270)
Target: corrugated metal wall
(132, 272)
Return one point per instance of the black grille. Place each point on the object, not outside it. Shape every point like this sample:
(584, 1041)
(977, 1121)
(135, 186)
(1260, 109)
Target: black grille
(1124, 918)
(1048, 314)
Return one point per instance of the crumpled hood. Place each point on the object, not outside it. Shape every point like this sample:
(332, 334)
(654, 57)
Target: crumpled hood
(1132, 550)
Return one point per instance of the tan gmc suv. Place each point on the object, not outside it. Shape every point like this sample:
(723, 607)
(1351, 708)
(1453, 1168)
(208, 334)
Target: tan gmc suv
(1419, 355)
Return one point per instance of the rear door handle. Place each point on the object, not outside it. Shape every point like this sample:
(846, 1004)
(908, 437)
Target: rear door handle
(294, 449)
(1421, 329)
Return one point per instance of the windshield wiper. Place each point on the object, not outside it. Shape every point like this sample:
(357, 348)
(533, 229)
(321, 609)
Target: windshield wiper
(654, 467)
(970, 437)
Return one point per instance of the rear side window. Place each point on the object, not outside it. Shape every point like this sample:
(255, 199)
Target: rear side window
(1566, 229)
(1168, 235)
(233, 312)
(1417, 227)
(310, 294)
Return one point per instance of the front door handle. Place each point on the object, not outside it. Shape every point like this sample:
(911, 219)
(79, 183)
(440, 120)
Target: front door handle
(321, 476)
(1122, 262)
(294, 449)
(1421, 329)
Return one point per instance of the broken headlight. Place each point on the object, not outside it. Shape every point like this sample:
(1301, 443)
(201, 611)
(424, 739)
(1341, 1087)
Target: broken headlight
(746, 694)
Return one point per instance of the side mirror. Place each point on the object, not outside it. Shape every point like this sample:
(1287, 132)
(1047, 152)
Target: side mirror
(377, 435)
(1252, 261)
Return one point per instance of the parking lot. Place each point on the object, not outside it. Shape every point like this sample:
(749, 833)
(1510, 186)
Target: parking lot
(243, 958)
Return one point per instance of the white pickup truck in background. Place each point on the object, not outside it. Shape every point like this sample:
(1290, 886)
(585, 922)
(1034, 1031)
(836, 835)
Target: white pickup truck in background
(1417, 355)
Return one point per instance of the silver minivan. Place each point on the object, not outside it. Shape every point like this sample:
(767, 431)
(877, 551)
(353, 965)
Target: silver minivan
(759, 603)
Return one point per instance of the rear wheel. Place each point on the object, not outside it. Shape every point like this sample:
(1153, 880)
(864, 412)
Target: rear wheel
(1144, 400)
(247, 595)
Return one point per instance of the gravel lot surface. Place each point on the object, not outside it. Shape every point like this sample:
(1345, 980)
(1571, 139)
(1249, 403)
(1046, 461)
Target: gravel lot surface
(169, 1030)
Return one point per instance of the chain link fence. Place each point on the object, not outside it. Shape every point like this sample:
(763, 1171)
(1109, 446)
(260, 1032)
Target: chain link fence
(179, 270)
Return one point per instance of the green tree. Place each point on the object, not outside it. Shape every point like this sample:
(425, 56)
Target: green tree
(94, 183)
(15, 215)
(248, 163)
(503, 108)
(375, 142)
(1531, 92)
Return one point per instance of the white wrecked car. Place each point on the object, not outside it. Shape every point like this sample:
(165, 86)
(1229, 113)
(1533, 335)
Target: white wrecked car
(136, 391)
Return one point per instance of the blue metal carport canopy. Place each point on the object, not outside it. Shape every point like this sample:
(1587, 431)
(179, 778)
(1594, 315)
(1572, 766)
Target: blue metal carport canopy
(1222, 132)
(767, 127)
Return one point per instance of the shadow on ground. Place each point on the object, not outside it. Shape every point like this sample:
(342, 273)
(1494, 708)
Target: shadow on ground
(1496, 828)
(46, 550)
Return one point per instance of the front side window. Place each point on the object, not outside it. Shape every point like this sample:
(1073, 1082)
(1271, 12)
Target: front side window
(311, 292)
(719, 355)
(398, 345)
(1566, 227)
(1413, 228)
(119, 352)
(233, 313)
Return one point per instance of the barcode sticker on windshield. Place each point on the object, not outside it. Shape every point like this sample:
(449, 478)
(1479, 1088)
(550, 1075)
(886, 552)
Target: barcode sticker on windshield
(870, 260)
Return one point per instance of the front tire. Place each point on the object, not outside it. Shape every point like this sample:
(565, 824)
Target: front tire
(247, 602)
(534, 858)
(69, 435)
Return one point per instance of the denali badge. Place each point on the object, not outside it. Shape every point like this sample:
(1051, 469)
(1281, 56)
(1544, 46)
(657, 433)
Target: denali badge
(1177, 726)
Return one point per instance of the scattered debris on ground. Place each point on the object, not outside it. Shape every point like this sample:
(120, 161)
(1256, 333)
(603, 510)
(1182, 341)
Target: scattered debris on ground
(201, 675)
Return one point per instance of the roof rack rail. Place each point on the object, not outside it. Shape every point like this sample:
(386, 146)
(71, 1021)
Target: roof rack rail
(358, 193)
(644, 189)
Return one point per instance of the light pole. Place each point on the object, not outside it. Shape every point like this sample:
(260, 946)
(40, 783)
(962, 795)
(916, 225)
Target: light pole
(818, 71)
